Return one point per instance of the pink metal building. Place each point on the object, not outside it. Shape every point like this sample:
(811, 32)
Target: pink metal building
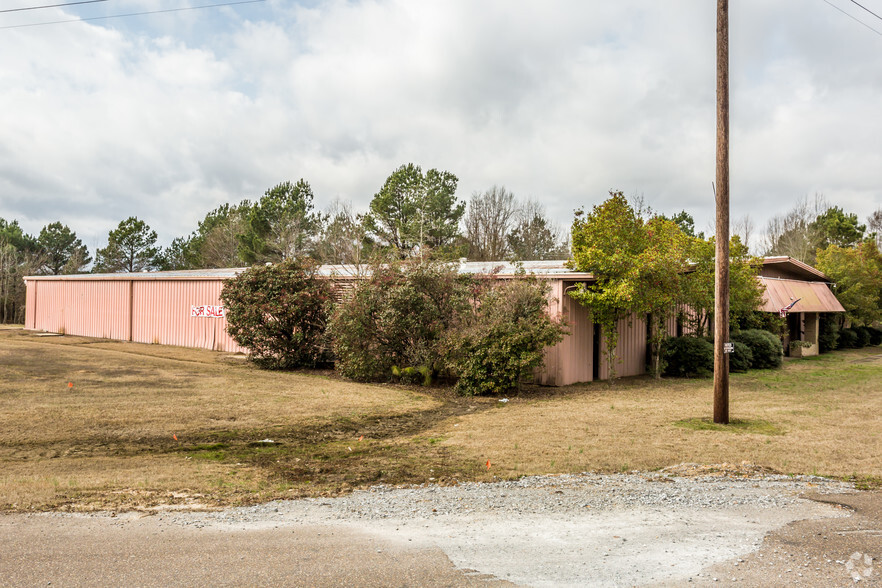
(184, 308)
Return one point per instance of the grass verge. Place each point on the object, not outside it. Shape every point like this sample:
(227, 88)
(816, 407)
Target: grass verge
(88, 424)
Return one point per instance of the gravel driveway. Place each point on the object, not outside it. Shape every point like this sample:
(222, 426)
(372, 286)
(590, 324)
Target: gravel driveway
(630, 529)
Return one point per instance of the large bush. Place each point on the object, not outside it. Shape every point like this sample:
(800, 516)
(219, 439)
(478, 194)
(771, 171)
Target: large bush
(828, 333)
(741, 358)
(279, 312)
(396, 318)
(501, 342)
(688, 357)
(864, 336)
(875, 336)
(765, 347)
(848, 339)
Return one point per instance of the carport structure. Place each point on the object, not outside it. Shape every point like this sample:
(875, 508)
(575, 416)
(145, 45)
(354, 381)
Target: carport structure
(801, 293)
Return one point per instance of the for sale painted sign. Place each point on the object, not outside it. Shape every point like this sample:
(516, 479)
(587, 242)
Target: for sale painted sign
(207, 311)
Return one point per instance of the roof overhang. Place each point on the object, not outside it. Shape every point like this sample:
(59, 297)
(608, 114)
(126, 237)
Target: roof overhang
(812, 296)
(794, 266)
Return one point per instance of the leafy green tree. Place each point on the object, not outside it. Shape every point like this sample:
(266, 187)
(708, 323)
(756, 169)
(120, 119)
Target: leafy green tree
(533, 236)
(796, 233)
(131, 247)
(414, 212)
(745, 291)
(343, 237)
(20, 256)
(874, 225)
(637, 266)
(214, 244)
(835, 227)
(280, 313)
(857, 277)
(178, 255)
(664, 261)
(281, 225)
(12, 234)
(64, 252)
(686, 223)
(607, 243)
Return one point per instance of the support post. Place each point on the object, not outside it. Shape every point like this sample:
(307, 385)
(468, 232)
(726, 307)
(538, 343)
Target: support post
(721, 281)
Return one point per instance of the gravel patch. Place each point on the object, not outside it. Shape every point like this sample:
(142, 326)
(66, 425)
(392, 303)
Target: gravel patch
(565, 530)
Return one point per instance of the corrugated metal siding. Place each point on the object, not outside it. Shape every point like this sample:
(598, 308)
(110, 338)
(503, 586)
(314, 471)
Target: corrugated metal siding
(631, 349)
(162, 314)
(30, 305)
(578, 365)
(550, 374)
(87, 308)
(570, 361)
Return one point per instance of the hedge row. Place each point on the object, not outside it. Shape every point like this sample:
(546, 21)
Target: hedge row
(831, 337)
(408, 322)
(691, 357)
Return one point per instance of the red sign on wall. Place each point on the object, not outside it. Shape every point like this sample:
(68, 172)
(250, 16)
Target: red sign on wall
(207, 311)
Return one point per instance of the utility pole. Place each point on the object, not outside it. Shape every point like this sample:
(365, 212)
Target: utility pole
(721, 275)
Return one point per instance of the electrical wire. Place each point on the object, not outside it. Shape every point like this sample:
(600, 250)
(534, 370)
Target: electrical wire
(40, 24)
(867, 9)
(854, 18)
(51, 6)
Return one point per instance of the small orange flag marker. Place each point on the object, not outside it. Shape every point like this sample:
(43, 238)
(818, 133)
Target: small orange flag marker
(360, 438)
(175, 437)
(488, 464)
(70, 384)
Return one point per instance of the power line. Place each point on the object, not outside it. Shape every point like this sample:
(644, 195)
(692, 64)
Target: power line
(854, 18)
(867, 9)
(39, 24)
(51, 6)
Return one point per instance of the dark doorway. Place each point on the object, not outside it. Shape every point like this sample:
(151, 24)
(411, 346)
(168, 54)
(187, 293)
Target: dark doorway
(595, 353)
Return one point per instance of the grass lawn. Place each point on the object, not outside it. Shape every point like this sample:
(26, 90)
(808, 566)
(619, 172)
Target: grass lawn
(87, 423)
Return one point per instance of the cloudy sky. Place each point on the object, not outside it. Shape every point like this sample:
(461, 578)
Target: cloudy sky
(166, 116)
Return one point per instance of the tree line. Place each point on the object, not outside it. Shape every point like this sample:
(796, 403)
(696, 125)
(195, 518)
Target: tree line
(415, 213)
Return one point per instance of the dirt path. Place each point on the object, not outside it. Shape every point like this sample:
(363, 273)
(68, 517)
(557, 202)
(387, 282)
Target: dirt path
(619, 530)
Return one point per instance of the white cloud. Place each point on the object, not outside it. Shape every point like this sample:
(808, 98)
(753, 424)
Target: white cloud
(559, 101)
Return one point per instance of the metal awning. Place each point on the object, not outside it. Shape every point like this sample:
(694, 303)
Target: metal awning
(812, 296)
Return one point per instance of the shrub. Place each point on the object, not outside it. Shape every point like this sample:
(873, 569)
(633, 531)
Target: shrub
(761, 320)
(765, 347)
(828, 334)
(875, 336)
(864, 336)
(848, 339)
(501, 342)
(395, 319)
(279, 312)
(688, 357)
(741, 358)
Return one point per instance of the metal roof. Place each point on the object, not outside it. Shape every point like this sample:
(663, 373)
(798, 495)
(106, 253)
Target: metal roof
(200, 274)
(552, 269)
(812, 296)
(795, 266)
(548, 269)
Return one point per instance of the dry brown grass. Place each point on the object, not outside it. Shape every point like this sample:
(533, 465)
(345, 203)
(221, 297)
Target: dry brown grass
(108, 441)
(85, 422)
(815, 416)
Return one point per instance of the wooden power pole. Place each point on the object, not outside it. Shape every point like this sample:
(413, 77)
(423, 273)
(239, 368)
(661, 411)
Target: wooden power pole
(721, 282)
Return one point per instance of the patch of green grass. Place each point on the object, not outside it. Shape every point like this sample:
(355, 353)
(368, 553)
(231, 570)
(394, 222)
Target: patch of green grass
(865, 482)
(756, 426)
